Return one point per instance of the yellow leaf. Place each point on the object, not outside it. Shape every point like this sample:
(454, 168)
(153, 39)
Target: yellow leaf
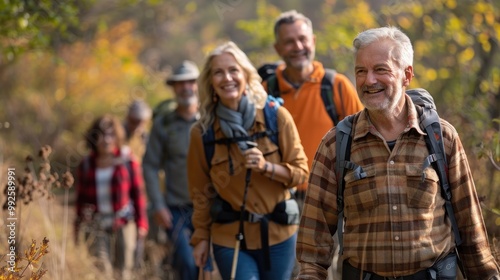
(466, 55)
(444, 73)
(404, 22)
(477, 20)
(431, 74)
(451, 4)
(483, 38)
(428, 22)
(417, 10)
(454, 24)
(490, 18)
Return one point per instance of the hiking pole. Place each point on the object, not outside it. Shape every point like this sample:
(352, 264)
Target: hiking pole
(240, 236)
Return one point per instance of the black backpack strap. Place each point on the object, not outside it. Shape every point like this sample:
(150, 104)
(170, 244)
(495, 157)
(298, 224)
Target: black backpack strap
(343, 153)
(273, 88)
(429, 121)
(209, 145)
(327, 94)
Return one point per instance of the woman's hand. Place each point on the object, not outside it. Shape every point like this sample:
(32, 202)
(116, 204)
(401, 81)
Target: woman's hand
(200, 253)
(255, 160)
(142, 233)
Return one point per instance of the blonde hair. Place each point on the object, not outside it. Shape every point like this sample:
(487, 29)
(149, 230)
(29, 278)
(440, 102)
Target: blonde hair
(255, 92)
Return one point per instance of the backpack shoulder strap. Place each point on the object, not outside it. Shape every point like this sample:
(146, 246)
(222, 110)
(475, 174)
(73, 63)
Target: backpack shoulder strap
(327, 94)
(271, 117)
(164, 107)
(429, 122)
(273, 86)
(209, 145)
(343, 139)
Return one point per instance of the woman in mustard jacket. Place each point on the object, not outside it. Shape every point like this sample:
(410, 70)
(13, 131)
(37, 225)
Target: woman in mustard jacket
(232, 102)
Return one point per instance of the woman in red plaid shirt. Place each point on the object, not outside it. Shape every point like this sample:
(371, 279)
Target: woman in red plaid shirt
(111, 206)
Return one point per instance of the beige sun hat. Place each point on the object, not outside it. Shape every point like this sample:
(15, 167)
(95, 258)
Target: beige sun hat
(186, 71)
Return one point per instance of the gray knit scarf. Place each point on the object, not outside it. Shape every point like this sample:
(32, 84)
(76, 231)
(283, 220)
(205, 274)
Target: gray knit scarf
(236, 123)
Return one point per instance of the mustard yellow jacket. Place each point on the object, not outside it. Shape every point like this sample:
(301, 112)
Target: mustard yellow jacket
(263, 193)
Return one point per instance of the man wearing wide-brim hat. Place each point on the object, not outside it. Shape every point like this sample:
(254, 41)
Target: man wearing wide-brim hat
(186, 71)
(166, 151)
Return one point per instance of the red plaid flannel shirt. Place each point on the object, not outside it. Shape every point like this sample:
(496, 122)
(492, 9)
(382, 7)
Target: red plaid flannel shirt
(125, 188)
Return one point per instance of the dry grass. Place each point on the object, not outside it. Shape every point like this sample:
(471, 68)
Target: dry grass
(32, 257)
(44, 218)
(41, 215)
(45, 211)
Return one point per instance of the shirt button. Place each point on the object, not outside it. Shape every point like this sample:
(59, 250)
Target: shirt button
(394, 208)
(391, 162)
(396, 238)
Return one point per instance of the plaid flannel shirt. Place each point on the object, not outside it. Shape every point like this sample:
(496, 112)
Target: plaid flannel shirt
(395, 223)
(125, 189)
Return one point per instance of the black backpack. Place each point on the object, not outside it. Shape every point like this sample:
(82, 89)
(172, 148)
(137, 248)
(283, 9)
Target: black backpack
(326, 92)
(429, 122)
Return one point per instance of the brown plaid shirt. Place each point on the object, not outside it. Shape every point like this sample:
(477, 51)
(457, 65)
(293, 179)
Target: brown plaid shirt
(395, 222)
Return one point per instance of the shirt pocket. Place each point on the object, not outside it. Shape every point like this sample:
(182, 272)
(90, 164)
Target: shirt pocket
(269, 149)
(224, 168)
(360, 194)
(422, 186)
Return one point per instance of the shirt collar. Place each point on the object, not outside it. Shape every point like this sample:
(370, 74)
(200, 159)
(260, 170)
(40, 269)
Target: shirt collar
(364, 125)
(315, 77)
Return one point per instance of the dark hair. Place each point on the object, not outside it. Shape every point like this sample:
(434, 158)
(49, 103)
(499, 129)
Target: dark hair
(100, 126)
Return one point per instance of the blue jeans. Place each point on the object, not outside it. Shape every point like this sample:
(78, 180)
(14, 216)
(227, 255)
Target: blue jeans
(180, 235)
(251, 265)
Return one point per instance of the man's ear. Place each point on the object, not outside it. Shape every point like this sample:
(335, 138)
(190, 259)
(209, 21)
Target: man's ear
(276, 48)
(408, 76)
